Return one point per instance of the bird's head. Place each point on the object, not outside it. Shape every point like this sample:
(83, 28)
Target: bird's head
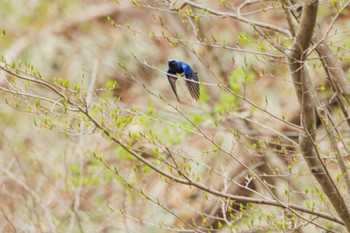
(172, 63)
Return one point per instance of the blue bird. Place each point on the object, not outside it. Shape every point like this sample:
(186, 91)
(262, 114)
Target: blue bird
(180, 68)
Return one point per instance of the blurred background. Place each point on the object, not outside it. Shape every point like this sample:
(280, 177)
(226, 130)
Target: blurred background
(52, 181)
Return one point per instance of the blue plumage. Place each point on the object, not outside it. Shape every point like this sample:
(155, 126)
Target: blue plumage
(179, 68)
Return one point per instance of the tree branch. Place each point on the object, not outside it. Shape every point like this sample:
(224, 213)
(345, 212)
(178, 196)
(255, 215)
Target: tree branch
(239, 18)
(332, 67)
(308, 99)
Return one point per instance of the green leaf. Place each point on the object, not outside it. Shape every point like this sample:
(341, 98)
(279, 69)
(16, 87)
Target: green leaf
(244, 38)
(74, 168)
(76, 88)
(146, 169)
(197, 117)
(220, 225)
(111, 84)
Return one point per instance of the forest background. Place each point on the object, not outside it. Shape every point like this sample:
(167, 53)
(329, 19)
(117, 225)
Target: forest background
(92, 139)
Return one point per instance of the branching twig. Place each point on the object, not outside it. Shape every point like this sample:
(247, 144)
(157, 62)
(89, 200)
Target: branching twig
(308, 100)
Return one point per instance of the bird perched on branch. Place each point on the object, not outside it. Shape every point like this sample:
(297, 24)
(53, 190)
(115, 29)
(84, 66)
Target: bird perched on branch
(180, 68)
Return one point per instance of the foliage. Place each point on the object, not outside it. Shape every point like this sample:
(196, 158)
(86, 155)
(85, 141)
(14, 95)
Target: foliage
(93, 140)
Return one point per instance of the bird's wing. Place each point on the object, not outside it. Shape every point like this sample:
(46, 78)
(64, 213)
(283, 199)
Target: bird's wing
(191, 76)
(172, 81)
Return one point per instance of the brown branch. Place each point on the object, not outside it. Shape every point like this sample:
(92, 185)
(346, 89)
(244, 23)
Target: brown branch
(321, 39)
(308, 99)
(203, 187)
(239, 18)
(339, 84)
(332, 67)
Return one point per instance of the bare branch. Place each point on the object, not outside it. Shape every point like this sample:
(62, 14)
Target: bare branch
(307, 99)
(240, 18)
